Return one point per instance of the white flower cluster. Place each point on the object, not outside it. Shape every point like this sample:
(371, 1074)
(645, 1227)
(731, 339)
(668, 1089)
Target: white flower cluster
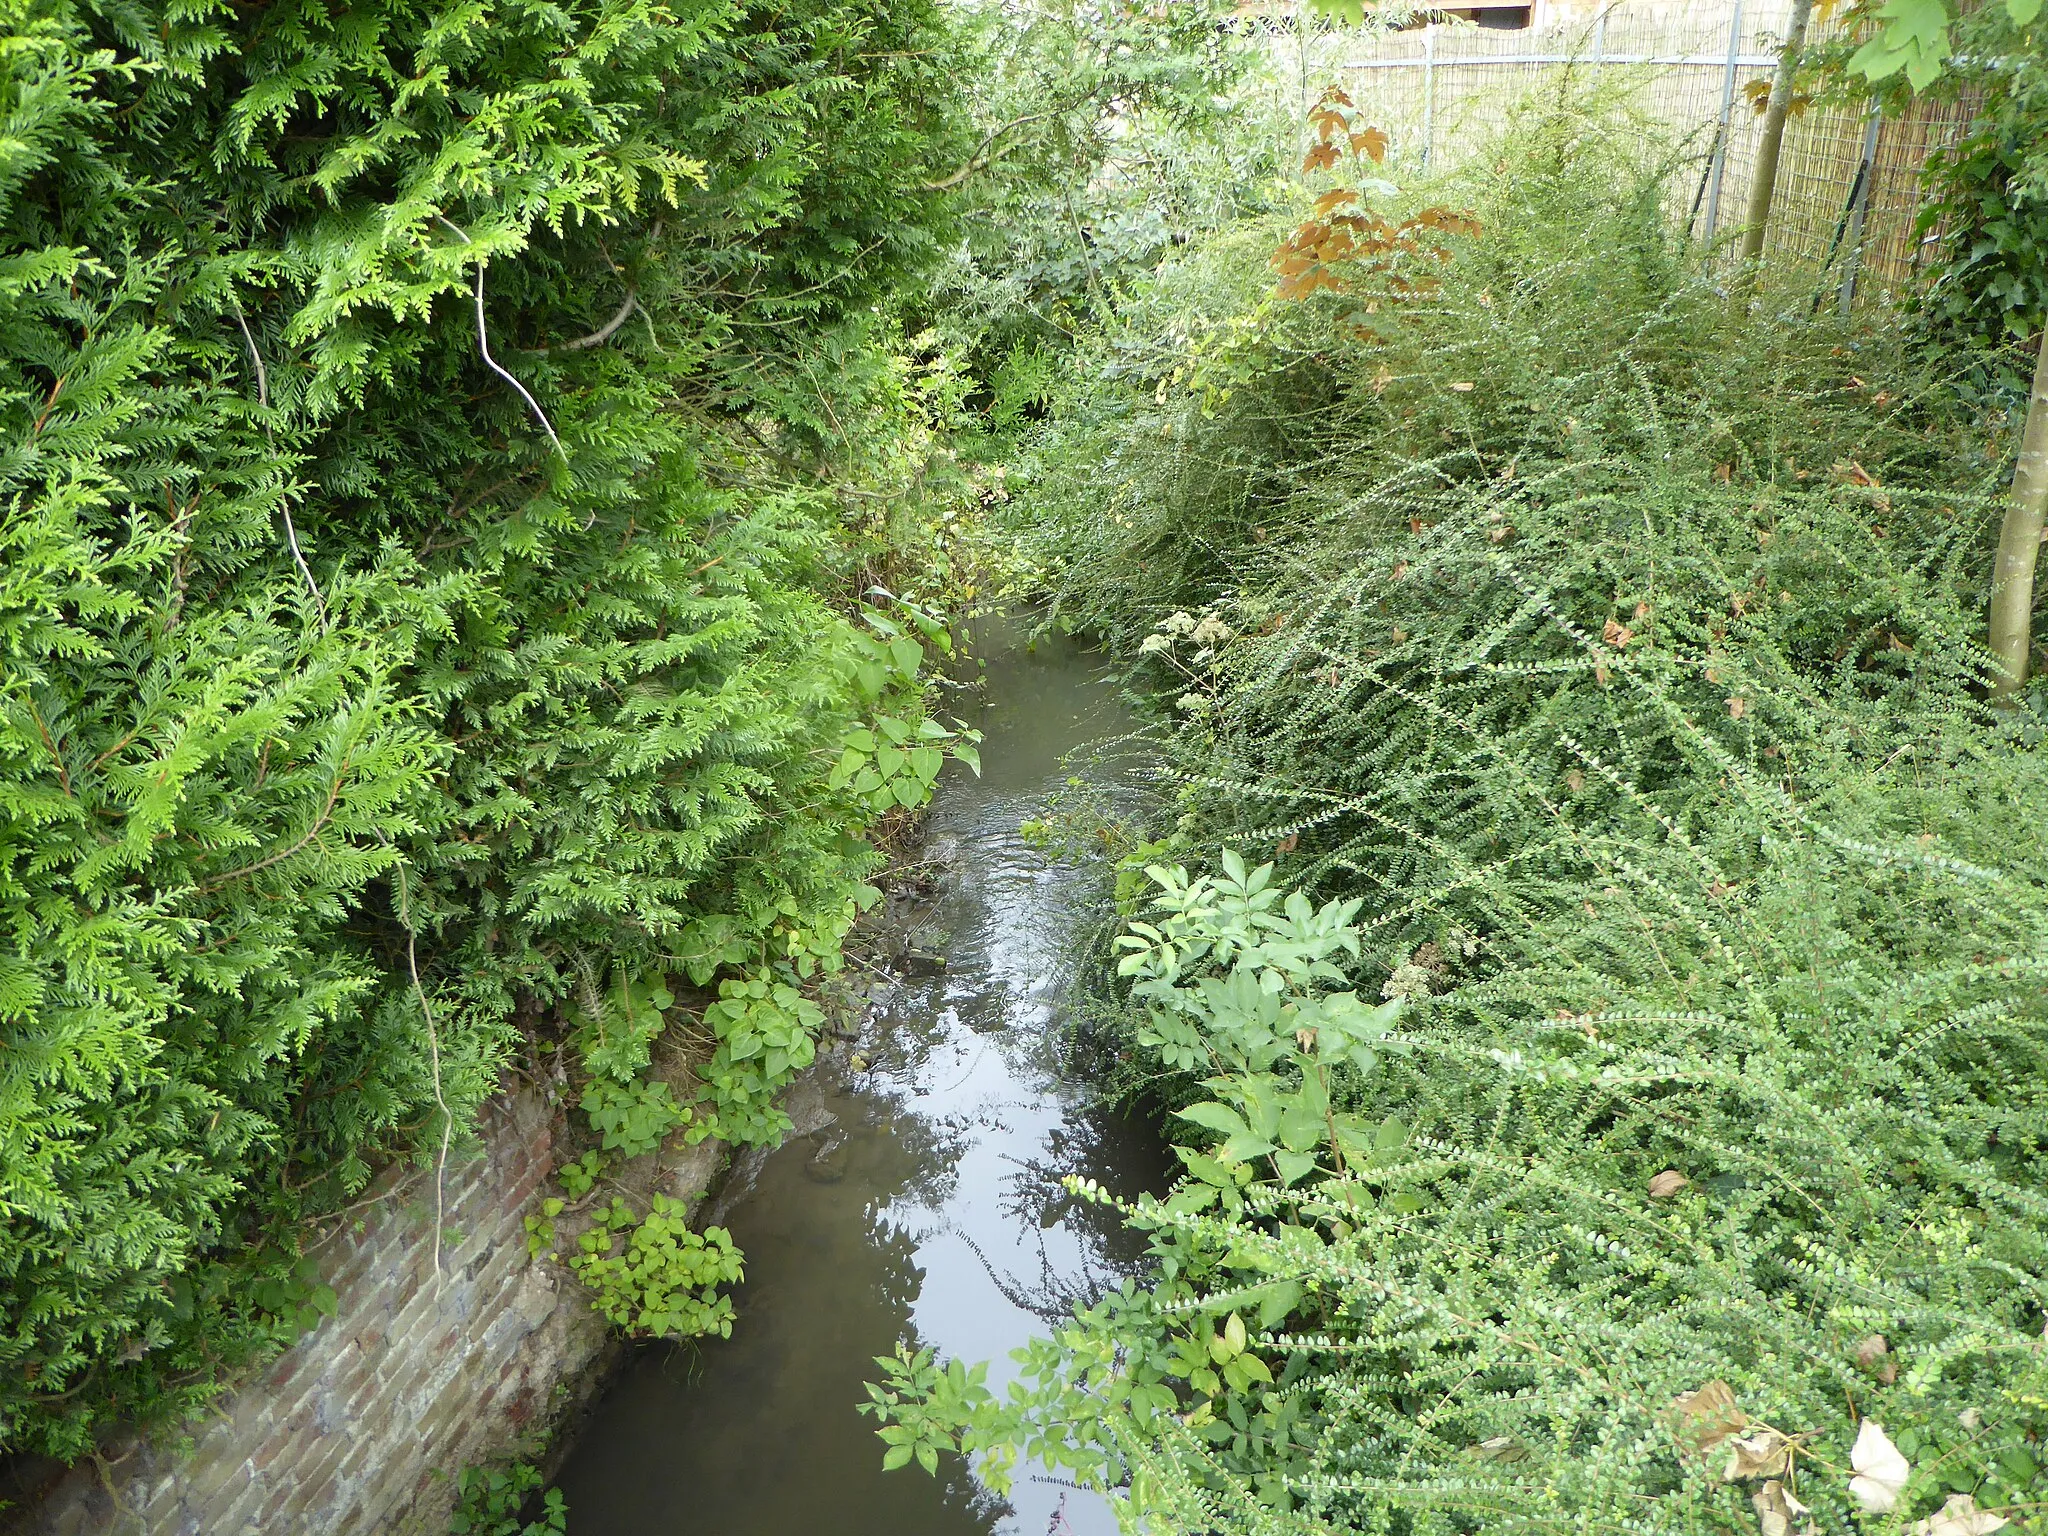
(1208, 632)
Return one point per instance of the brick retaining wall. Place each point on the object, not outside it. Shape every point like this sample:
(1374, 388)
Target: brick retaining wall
(357, 1428)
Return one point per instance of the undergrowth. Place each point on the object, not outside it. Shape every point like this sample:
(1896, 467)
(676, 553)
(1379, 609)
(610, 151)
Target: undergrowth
(1606, 663)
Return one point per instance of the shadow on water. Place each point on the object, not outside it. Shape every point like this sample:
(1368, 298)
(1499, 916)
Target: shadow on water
(927, 1205)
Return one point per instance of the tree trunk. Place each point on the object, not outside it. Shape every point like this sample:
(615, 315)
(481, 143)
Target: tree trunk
(2019, 543)
(1763, 186)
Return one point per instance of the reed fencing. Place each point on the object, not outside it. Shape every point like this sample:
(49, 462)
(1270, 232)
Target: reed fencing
(1848, 179)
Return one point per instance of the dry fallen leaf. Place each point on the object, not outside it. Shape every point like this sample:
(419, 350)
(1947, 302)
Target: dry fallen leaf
(1703, 1418)
(1575, 781)
(1600, 673)
(1617, 634)
(1960, 1516)
(1463, 389)
(1288, 843)
(1737, 707)
(1776, 1509)
(1875, 1356)
(1667, 1184)
(1763, 1454)
(1642, 611)
(1881, 1472)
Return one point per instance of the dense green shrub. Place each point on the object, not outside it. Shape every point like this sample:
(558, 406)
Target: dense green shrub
(1606, 664)
(329, 648)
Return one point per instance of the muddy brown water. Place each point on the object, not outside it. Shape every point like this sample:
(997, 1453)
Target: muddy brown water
(925, 1201)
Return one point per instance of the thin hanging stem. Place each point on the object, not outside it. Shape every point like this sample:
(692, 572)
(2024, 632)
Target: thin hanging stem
(483, 347)
(291, 534)
(412, 965)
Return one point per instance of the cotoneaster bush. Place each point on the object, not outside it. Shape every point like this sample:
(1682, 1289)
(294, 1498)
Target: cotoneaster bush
(1603, 669)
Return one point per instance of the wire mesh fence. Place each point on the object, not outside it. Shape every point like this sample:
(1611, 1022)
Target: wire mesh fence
(1848, 189)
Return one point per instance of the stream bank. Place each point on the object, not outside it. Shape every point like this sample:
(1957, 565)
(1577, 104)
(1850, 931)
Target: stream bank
(921, 1197)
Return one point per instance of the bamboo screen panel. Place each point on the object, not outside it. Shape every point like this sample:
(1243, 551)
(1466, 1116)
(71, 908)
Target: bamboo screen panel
(1443, 91)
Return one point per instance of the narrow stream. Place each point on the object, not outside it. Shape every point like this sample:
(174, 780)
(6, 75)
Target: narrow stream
(924, 1203)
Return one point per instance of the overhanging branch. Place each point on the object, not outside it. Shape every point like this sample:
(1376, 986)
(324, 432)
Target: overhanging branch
(980, 157)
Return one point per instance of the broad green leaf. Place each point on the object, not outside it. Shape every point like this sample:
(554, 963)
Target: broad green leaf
(1220, 1118)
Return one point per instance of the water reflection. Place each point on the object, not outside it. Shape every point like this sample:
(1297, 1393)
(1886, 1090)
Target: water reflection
(924, 1203)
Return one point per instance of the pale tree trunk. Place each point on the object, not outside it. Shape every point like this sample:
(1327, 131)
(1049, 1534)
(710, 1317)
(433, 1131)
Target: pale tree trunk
(2019, 543)
(1764, 185)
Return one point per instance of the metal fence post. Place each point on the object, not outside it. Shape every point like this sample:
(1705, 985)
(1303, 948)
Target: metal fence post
(1727, 114)
(1866, 172)
(1428, 90)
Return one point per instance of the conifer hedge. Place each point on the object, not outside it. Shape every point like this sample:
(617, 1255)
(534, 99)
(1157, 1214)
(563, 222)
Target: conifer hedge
(376, 560)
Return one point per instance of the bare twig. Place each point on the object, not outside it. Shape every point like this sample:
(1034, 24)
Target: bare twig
(483, 347)
(291, 534)
(605, 332)
(980, 157)
(412, 965)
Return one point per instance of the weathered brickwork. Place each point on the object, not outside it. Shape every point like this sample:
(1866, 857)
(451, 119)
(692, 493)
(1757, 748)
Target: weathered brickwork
(356, 1429)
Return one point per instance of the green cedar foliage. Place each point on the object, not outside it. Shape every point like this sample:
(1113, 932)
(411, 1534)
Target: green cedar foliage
(317, 631)
(1608, 674)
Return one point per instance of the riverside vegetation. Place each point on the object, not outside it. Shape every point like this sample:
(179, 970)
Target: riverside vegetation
(483, 490)
(1607, 1033)
(477, 510)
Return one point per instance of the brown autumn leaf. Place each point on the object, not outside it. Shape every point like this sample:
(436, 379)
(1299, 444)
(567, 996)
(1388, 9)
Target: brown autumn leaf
(1371, 143)
(1701, 1419)
(1737, 707)
(1724, 472)
(1600, 673)
(1462, 388)
(1668, 1184)
(1874, 1355)
(1765, 1453)
(1776, 1509)
(1617, 634)
(1575, 781)
(1642, 611)
(1288, 843)
(1319, 158)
